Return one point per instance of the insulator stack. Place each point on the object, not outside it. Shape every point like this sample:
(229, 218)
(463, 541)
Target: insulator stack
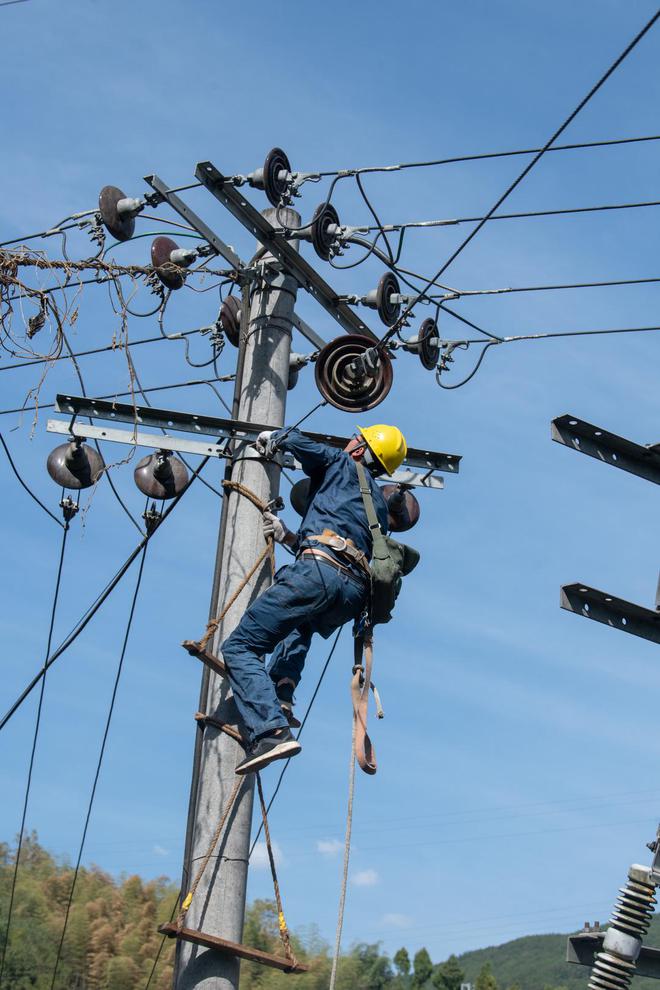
(615, 965)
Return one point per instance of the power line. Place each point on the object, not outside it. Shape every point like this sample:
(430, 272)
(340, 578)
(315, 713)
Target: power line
(100, 599)
(35, 737)
(548, 334)
(123, 395)
(460, 293)
(23, 485)
(94, 350)
(162, 943)
(543, 335)
(418, 224)
(485, 155)
(90, 805)
(592, 92)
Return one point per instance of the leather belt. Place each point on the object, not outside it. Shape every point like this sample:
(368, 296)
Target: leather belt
(325, 558)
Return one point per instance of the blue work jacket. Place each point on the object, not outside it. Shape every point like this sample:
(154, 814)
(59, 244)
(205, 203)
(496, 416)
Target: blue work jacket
(335, 501)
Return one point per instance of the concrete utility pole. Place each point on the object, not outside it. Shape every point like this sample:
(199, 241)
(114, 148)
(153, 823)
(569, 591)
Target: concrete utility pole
(218, 907)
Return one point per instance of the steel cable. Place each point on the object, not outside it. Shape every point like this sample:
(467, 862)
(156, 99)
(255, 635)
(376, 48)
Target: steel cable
(23, 485)
(35, 738)
(96, 604)
(99, 764)
(473, 233)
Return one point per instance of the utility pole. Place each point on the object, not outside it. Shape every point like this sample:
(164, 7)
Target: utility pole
(218, 906)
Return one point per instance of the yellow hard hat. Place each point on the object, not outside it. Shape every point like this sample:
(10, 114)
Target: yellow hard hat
(387, 444)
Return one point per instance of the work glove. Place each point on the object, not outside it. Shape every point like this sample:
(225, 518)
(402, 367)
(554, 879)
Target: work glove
(264, 443)
(273, 526)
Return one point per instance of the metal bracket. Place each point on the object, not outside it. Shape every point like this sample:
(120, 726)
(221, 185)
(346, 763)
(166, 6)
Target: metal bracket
(307, 331)
(582, 948)
(308, 278)
(135, 439)
(184, 211)
(147, 416)
(611, 611)
(644, 461)
(123, 412)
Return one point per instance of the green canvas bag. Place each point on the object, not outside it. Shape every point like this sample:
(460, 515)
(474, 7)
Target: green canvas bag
(390, 561)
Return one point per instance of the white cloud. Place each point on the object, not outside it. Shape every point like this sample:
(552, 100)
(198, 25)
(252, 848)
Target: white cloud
(365, 878)
(161, 851)
(259, 858)
(329, 847)
(397, 920)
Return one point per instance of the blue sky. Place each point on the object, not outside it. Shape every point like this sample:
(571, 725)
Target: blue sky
(518, 761)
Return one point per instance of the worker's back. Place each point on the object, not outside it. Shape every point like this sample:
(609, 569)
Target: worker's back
(335, 501)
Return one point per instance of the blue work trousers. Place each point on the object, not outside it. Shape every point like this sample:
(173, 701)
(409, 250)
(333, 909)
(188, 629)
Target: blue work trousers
(308, 596)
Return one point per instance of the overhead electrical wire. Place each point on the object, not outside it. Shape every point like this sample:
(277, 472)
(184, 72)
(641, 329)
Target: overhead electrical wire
(461, 293)
(51, 231)
(123, 395)
(35, 737)
(25, 486)
(96, 350)
(162, 944)
(417, 224)
(542, 335)
(485, 155)
(473, 233)
(99, 600)
(99, 764)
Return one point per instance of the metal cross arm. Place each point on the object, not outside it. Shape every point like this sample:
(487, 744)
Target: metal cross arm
(582, 949)
(644, 461)
(195, 222)
(219, 245)
(308, 278)
(611, 611)
(426, 461)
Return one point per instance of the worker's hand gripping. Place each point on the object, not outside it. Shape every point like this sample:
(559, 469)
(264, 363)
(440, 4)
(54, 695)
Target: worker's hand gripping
(275, 528)
(265, 444)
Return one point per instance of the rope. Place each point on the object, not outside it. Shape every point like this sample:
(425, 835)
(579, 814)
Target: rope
(281, 921)
(347, 853)
(363, 753)
(209, 852)
(300, 731)
(268, 551)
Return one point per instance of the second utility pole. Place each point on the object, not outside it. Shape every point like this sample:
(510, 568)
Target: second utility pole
(218, 907)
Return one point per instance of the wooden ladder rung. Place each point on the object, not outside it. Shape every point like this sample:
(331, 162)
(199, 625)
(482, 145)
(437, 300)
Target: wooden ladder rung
(232, 948)
(229, 730)
(194, 649)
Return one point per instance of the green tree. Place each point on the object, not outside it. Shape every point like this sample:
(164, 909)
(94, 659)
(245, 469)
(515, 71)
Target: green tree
(402, 961)
(448, 975)
(485, 979)
(422, 969)
(122, 974)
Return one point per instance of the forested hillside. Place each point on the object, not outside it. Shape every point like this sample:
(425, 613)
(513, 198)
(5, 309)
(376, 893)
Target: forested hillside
(112, 942)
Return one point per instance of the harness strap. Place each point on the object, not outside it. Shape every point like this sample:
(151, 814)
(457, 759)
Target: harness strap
(343, 546)
(367, 499)
(360, 685)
